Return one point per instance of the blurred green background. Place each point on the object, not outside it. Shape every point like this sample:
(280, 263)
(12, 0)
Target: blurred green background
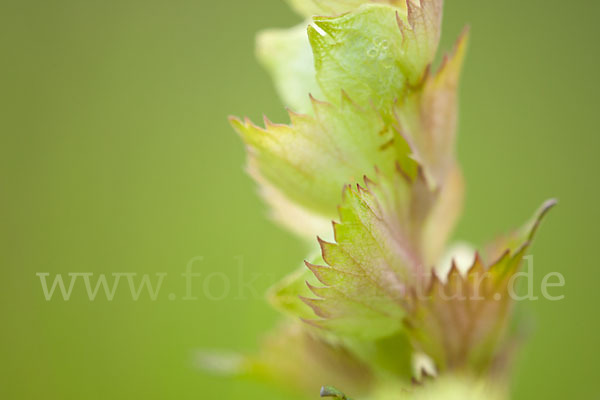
(117, 157)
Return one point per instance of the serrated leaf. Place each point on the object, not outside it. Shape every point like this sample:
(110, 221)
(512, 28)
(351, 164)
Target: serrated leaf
(377, 52)
(287, 55)
(461, 319)
(307, 163)
(427, 118)
(389, 355)
(377, 257)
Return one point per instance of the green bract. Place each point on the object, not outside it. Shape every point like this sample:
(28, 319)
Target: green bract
(371, 145)
(470, 307)
(377, 54)
(309, 161)
(376, 257)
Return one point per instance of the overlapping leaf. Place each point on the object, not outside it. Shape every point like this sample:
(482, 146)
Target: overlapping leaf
(303, 166)
(427, 118)
(402, 120)
(377, 52)
(377, 256)
(390, 356)
(461, 319)
(382, 249)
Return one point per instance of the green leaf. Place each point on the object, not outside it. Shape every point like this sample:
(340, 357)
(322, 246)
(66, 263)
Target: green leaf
(427, 118)
(287, 55)
(381, 251)
(461, 320)
(390, 356)
(376, 53)
(376, 258)
(302, 167)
